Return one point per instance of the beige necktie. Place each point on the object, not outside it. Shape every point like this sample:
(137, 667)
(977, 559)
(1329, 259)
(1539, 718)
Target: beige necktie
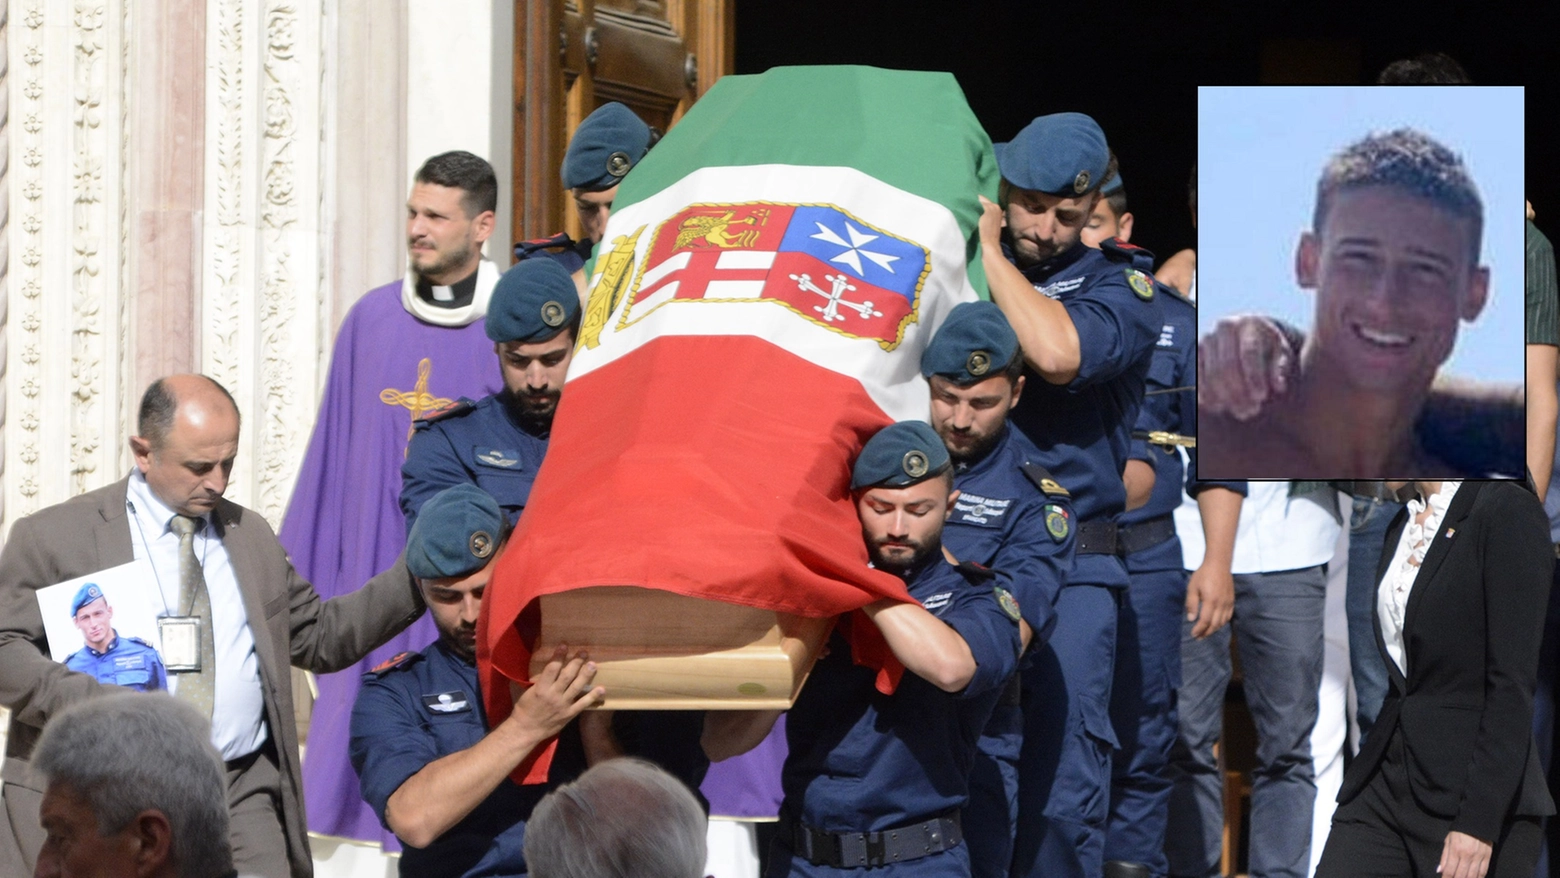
(198, 688)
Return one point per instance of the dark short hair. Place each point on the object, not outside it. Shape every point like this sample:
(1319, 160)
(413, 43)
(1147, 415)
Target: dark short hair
(471, 174)
(159, 406)
(1191, 189)
(1426, 68)
(1408, 160)
(1117, 200)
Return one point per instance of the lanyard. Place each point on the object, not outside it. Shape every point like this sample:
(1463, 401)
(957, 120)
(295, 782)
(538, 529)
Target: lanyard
(146, 546)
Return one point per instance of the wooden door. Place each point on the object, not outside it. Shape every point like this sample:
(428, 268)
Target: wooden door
(572, 56)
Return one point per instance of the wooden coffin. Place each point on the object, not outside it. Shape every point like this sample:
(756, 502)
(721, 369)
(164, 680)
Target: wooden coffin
(663, 651)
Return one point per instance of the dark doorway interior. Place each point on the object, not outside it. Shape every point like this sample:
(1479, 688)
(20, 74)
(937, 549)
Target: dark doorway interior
(1134, 67)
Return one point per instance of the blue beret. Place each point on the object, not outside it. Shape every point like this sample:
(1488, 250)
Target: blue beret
(974, 343)
(899, 455)
(533, 301)
(604, 148)
(1112, 185)
(1059, 154)
(85, 595)
(456, 532)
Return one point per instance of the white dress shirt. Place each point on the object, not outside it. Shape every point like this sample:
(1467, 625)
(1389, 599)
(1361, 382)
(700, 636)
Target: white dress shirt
(1277, 532)
(1398, 582)
(238, 726)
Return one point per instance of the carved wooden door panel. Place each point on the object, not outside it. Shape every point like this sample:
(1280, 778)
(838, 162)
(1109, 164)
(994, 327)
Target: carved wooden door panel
(572, 56)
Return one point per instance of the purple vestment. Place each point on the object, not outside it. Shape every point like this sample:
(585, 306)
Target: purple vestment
(747, 787)
(344, 522)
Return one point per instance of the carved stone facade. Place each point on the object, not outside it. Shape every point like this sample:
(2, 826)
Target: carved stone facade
(209, 185)
(65, 304)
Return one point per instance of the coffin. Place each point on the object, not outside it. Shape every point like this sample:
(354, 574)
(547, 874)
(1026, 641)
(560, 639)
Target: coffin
(663, 651)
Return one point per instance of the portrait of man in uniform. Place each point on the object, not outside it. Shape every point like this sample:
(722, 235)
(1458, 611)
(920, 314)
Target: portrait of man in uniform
(111, 657)
(1398, 261)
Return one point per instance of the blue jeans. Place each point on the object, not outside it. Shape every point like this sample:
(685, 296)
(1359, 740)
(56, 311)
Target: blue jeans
(1278, 630)
(1367, 532)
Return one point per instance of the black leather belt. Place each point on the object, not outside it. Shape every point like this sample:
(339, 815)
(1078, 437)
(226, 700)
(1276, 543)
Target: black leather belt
(1098, 537)
(850, 850)
(1134, 538)
(244, 763)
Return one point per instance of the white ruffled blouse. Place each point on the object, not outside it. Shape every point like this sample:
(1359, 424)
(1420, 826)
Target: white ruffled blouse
(1398, 583)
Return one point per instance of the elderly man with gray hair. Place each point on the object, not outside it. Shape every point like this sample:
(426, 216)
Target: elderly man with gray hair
(132, 786)
(623, 818)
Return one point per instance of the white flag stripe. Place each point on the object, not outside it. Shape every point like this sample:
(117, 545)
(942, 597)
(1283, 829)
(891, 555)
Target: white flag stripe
(760, 259)
(660, 296)
(734, 289)
(675, 263)
(891, 378)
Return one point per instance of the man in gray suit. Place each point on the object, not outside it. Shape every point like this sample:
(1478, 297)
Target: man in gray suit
(235, 615)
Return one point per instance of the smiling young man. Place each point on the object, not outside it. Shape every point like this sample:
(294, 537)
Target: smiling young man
(498, 442)
(1393, 259)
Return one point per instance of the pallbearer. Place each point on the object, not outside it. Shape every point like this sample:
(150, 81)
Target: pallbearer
(1087, 322)
(876, 780)
(1010, 515)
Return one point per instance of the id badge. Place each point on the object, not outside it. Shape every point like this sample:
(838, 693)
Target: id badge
(180, 643)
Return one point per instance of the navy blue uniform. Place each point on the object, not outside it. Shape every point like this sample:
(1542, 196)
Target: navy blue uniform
(129, 661)
(422, 707)
(569, 253)
(1148, 647)
(477, 442)
(1011, 516)
(419, 707)
(1083, 431)
(862, 761)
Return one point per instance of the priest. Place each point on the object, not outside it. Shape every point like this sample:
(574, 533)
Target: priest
(405, 350)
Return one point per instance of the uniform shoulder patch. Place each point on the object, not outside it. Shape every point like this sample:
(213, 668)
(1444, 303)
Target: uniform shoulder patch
(1141, 284)
(1042, 479)
(1007, 602)
(445, 412)
(133, 639)
(1058, 523)
(399, 660)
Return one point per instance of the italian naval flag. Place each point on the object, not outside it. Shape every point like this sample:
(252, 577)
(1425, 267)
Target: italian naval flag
(758, 306)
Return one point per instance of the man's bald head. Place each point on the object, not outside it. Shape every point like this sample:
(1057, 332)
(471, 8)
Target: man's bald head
(188, 440)
(160, 404)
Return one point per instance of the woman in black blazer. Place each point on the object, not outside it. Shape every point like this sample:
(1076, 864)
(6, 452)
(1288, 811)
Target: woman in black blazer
(1449, 781)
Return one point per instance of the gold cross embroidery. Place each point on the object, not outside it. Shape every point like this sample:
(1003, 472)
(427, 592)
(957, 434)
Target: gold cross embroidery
(419, 401)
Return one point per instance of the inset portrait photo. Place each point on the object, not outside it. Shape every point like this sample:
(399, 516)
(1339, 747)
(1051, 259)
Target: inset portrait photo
(1360, 283)
(105, 625)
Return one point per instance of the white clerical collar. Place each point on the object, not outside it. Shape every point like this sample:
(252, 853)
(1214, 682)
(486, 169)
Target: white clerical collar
(427, 312)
